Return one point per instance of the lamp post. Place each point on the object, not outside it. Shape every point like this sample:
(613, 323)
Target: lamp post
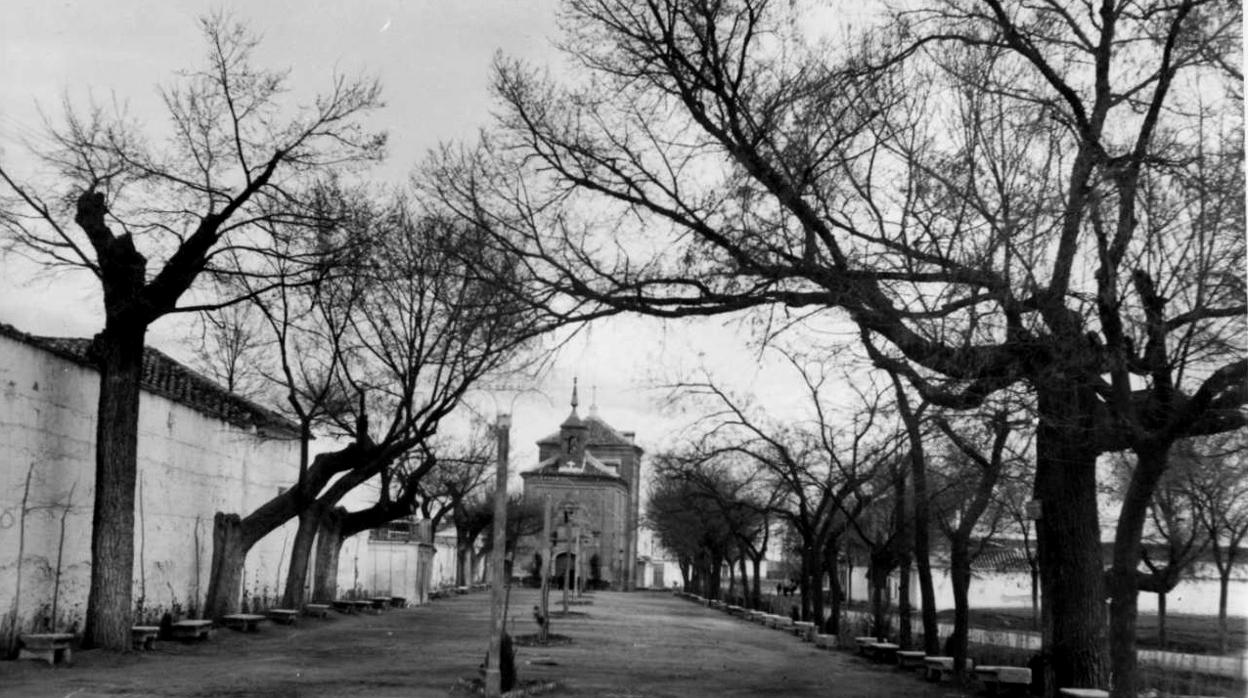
(493, 671)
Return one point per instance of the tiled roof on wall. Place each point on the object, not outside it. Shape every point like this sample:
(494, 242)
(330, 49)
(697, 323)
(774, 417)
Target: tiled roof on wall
(165, 377)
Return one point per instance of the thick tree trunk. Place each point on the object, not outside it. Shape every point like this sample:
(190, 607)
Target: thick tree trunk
(300, 554)
(1123, 581)
(815, 612)
(833, 624)
(1068, 536)
(118, 353)
(328, 547)
(878, 575)
(229, 551)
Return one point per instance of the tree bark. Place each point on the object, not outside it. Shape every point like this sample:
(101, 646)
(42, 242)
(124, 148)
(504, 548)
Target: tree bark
(1151, 461)
(118, 354)
(229, 550)
(1068, 537)
(328, 548)
(300, 554)
(960, 577)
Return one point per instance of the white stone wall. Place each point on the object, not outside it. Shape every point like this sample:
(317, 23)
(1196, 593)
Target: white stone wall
(190, 466)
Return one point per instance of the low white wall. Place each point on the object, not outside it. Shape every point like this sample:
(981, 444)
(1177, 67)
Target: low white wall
(190, 466)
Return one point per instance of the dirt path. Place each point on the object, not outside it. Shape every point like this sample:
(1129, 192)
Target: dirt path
(626, 645)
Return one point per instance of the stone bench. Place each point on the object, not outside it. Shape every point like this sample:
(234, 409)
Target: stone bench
(882, 651)
(736, 610)
(398, 602)
(242, 622)
(380, 603)
(143, 637)
(1012, 677)
(319, 610)
(784, 623)
(50, 647)
(344, 606)
(285, 616)
(804, 629)
(361, 606)
(941, 668)
(192, 630)
(910, 659)
(827, 642)
(863, 640)
(1083, 692)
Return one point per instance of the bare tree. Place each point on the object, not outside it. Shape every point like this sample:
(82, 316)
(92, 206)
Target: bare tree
(1048, 195)
(238, 156)
(410, 331)
(1218, 486)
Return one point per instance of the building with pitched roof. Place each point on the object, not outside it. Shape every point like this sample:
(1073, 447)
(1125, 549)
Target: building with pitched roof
(591, 474)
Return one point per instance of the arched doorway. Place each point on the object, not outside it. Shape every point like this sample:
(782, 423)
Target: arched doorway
(564, 570)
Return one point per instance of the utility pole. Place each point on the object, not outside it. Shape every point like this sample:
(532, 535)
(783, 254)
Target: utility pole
(545, 571)
(493, 666)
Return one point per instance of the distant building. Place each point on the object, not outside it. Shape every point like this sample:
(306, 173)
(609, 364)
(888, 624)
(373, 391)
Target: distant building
(591, 474)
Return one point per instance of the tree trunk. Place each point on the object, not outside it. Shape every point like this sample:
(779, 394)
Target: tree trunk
(923, 558)
(300, 554)
(1161, 620)
(903, 603)
(1224, 583)
(960, 576)
(1123, 581)
(1068, 537)
(118, 354)
(833, 625)
(814, 611)
(229, 551)
(328, 547)
(756, 601)
(878, 575)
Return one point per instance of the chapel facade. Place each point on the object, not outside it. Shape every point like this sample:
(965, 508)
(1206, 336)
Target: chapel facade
(591, 474)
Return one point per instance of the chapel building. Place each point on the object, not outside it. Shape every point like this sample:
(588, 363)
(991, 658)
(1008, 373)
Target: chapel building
(591, 474)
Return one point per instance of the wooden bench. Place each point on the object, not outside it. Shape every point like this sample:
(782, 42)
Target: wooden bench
(1012, 677)
(285, 616)
(50, 647)
(192, 630)
(910, 659)
(882, 651)
(941, 668)
(320, 610)
(243, 622)
(143, 637)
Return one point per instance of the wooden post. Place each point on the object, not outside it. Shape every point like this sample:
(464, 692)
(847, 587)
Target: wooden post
(493, 671)
(547, 550)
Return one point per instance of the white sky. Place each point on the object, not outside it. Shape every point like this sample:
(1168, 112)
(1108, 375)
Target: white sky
(433, 58)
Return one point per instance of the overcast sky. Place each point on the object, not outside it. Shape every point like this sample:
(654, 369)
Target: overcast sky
(433, 58)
